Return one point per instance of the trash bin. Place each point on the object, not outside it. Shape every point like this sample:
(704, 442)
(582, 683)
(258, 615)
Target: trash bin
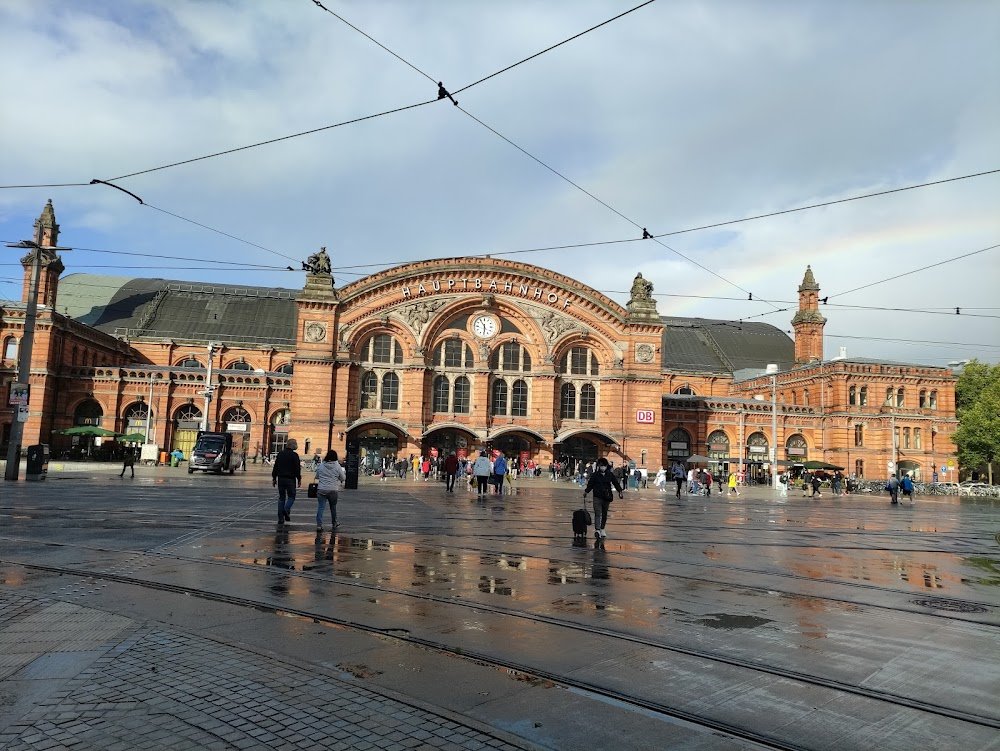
(38, 462)
(163, 457)
(173, 460)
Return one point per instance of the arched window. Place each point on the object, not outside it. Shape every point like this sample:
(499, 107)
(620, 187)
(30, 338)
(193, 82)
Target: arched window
(579, 361)
(136, 416)
(567, 402)
(805, 397)
(519, 399)
(588, 402)
(863, 397)
(796, 449)
(453, 353)
(286, 369)
(685, 390)
(922, 399)
(189, 362)
(369, 390)
(462, 391)
(390, 391)
(679, 444)
(382, 348)
(499, 397)
(10, 348)
(916, 438)
(888, 396)
(899, 398)
(932, 402)
(442, 394)
(511, 356)
(906, 438)
(852, 395)
(239, 365)
(718, 445)
(859, 435)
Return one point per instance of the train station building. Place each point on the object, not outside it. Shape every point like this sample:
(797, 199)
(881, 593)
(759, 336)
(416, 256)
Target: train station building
(458, 354)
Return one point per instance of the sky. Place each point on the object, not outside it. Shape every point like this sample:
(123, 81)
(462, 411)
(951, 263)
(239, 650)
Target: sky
(677, 115)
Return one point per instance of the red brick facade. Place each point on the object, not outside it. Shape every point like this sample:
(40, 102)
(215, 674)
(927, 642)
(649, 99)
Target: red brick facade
(471, 353)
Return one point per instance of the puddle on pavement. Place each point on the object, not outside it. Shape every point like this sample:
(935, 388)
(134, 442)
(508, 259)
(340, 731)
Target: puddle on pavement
(729, 622)
(989, 566)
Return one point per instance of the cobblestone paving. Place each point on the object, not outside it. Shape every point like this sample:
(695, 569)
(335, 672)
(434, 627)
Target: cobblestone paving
(159, 689)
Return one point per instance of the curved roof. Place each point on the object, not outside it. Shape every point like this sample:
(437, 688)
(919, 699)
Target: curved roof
(706, 345)
(132, 308)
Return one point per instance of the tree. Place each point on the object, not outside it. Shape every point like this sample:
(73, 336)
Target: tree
(977, 397)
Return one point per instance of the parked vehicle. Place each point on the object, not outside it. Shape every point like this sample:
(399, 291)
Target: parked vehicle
(215, 452)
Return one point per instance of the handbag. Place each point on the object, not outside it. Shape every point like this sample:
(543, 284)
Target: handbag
(313, 490)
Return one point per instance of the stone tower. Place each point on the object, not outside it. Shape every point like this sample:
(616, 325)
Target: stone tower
(808, 322)
(46, 236)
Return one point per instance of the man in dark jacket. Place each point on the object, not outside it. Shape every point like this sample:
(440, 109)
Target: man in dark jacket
(892, 487)
(450, 470)
(286, 476)
(601, 483)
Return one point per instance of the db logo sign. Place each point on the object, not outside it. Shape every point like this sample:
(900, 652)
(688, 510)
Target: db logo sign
(645, 416)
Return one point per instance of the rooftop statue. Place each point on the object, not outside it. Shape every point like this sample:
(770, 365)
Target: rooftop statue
(319, 263)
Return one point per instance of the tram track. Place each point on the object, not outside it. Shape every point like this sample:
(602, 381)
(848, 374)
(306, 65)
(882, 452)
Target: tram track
(700, 654)
(247, 518)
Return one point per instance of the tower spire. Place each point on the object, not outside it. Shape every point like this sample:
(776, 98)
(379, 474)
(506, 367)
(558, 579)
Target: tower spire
(808, 322)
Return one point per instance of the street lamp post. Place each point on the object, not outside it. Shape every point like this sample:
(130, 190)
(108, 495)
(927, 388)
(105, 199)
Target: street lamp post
(773, 370)
(24, 351)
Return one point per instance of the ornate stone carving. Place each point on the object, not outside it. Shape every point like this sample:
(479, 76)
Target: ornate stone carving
(419, 313)
(619, 363)
(644, 353)
(315, 331)
(484, 351)
(555, 325)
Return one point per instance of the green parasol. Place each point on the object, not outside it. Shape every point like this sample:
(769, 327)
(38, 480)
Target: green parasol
(91, 430)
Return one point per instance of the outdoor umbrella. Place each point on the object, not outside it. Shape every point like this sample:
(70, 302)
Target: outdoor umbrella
(91, 430)
(133, 438)
(698, 459)
(820, 465)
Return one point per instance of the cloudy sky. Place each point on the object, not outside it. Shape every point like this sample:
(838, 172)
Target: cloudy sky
(678, 115)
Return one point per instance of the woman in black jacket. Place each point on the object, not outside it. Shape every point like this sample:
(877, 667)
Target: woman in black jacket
(601, 483)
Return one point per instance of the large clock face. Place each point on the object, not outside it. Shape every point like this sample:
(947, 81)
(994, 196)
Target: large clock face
(485, 327)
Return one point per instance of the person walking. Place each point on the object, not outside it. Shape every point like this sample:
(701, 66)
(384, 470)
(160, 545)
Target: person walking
(330, 477)
(706, 477)
(481, 471)
(128, 461)
(892, 487)
(816, 483)
(499, 472)
(286, 476)
(906, 485)
(732, 485)
(660, 482)
(806, 481)
(415, 461)
(450, 471)
(601, 483)
(679, 477)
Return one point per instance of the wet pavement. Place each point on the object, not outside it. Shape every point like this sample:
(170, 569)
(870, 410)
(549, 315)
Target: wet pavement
(170, 611)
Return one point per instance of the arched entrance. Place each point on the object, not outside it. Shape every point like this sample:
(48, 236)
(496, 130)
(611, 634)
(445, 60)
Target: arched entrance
(187, 423)
(515, 447)
(678, 445)
(578, 450)
(910, 468)
(87, 413)
(756, 456)
(376, 445)
(279, 431)
(446, 440)
(718, 450)
(136, 419)
(236, 420)
(796, 450)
